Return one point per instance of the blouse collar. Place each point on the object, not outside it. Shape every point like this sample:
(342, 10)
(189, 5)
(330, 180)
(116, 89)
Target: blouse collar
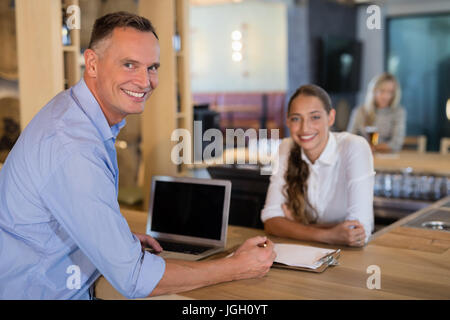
(328, 155)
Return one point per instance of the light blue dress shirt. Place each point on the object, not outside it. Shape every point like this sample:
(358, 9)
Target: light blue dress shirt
(59, 212)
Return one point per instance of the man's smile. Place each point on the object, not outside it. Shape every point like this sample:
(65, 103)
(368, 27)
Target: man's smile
(134, 93)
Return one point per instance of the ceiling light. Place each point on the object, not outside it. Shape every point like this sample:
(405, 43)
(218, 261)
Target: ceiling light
(236, 35)
(236, 56)
(236, 45)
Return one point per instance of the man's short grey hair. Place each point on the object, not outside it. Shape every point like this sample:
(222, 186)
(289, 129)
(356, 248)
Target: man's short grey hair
(105, 25)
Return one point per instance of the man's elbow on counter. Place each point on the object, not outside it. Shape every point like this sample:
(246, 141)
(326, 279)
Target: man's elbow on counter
(138, 290)
(128, 292)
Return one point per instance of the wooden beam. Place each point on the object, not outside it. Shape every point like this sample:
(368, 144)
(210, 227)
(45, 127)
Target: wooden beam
(159, 116)
(40, 55)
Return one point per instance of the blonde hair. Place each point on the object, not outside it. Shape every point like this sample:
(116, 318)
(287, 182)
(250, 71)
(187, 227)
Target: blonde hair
(374, 84)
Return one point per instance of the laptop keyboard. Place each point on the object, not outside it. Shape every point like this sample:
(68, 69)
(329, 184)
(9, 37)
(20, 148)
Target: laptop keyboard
(182, 247)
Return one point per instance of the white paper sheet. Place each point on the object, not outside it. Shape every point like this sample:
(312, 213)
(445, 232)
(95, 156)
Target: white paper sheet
(300, 256)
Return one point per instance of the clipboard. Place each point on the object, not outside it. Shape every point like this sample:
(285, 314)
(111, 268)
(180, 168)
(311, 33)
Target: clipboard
(328, 260)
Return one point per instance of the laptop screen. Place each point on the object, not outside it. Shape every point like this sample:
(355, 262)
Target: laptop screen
(188, 209)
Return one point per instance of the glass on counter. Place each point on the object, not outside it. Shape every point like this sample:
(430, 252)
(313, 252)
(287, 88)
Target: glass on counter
(439, 188)
(407, 185)
(397, 182)
(426, 183)
(379, 184)
(447, 185)
(387, 192)
(372, 135)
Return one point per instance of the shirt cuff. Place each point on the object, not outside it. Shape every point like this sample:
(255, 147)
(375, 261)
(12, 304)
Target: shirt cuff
(368, 228)
(152, 270)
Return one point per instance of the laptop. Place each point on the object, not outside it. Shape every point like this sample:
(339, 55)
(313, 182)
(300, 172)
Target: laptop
(189, 216)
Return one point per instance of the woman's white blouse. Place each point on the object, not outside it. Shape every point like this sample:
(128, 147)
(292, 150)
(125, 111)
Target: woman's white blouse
(340, 182)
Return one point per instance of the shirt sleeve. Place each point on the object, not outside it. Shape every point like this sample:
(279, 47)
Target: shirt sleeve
(81, 195)
(360, 181)
(275, 198)
(399, 129)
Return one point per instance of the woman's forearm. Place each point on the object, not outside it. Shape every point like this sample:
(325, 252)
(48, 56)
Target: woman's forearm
(283, 227)
(346, 233)
(383, 147)
(324, 225)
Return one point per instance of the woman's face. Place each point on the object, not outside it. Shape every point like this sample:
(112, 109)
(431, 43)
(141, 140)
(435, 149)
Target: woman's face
(384, 94)
(309, 125)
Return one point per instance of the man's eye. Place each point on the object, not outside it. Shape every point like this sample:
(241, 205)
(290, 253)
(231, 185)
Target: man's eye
(295, 119)
(153, 68)
(316, 117)
(128, 65)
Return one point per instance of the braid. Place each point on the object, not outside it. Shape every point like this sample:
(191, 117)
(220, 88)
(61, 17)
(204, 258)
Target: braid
(296, 188)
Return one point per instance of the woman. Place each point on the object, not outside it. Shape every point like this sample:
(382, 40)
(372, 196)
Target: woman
(322, 189)
(381, 111)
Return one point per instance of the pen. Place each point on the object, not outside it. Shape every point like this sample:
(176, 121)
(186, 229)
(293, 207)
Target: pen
(263, 245)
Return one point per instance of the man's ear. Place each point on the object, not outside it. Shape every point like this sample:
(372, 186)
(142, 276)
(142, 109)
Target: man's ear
(91, 61)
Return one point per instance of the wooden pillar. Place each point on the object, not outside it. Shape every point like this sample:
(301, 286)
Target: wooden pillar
(159, 116)
(39, 52)
(185, 114)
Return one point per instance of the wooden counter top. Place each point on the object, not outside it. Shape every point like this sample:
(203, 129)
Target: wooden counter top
(430, 162)
(414, 264)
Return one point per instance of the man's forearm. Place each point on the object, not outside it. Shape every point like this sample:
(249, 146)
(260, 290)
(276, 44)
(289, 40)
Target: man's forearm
(181, 276)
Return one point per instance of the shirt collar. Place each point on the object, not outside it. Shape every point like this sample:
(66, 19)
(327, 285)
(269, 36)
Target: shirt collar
(328, 155)
(87, 102)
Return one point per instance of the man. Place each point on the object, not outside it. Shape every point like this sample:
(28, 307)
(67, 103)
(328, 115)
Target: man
(60, 223)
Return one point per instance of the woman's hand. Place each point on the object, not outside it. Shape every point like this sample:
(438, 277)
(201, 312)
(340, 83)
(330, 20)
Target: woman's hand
(350, 233)
(382, 148)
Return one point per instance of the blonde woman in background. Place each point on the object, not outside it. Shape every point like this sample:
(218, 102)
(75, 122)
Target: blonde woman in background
(382, 111)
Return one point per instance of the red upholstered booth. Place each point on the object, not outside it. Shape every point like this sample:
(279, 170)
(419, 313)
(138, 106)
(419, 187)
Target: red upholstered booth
(246, 109)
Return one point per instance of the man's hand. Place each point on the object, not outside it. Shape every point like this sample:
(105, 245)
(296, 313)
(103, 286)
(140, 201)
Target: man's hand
(254, 260)
(148, 242)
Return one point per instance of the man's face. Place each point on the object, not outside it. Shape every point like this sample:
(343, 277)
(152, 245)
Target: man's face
(126, 72)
